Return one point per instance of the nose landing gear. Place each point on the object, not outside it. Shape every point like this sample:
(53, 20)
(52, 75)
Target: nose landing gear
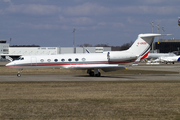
(19, 73)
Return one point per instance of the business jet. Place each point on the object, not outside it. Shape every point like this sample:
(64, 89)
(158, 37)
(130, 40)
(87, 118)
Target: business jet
(158, 55)
(107, 61)
(167, 60)
(155, 58)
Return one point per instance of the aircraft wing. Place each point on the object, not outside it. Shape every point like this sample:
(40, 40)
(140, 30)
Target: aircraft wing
(113, 69)
(105, 68)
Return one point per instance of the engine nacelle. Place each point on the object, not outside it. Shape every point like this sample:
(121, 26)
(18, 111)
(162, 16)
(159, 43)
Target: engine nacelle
(121, 56)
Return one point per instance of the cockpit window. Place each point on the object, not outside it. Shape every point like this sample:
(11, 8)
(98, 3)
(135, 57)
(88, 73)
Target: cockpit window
(20, 58)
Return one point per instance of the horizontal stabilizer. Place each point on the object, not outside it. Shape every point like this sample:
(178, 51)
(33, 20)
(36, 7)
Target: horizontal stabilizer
(153, 35)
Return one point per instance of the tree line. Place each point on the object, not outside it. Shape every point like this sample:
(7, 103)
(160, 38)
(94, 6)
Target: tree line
(113, 48)
(25, 45)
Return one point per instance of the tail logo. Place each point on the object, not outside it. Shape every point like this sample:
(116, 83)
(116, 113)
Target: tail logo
(141, 43)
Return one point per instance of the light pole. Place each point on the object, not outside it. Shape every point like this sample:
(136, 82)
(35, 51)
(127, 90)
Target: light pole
(163, 31)
(10, 41)
(158, 31)
(152, 23)
(74, 39)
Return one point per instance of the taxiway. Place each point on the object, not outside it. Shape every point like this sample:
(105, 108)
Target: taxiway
(162, 77)
(129, 77)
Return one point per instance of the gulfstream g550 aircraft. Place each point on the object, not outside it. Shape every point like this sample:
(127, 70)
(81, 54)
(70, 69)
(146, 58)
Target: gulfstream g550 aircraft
(107, 61)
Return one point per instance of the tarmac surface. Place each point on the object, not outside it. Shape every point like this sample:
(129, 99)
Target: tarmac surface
(163, 77)
(137, 77)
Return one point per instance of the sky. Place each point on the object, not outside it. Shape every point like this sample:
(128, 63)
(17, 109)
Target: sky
(50, 23)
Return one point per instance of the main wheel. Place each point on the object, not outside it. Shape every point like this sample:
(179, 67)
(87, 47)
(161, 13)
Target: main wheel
(91, 73)
(98, 75)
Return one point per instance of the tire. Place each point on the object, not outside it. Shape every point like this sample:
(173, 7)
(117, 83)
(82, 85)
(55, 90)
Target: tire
(91, 73)
(18, 75)
(98, 75)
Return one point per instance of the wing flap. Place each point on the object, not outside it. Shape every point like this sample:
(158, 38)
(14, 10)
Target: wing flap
(113, 69)
(105, 68)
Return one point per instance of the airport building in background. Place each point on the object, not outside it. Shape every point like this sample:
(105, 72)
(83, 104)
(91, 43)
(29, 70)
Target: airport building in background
(54, 50)
(168, 46)
(4, 47)
(14, 52)
(164, 46)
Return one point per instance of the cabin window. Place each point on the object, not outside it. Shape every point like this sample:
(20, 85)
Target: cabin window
(55, 60)
(22, 58)
(69, 59)
(76, 59)
(42, 60)
(49, 60)
(83, 59)
(62, 60)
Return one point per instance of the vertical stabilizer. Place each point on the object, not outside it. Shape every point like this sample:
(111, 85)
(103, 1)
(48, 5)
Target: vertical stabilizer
(142, 45)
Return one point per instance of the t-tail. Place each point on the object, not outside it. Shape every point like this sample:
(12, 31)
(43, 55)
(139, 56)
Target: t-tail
(142, 45)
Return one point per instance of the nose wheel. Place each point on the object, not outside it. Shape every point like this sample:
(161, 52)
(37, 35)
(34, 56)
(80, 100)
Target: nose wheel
(19, 73)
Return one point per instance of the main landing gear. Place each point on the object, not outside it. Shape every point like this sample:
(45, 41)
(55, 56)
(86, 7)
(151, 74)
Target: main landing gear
(94, 73)
(19, 73)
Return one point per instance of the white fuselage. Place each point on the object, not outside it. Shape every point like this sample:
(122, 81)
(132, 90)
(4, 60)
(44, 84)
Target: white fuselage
(158, 55)
(74, 60)
(170, 59)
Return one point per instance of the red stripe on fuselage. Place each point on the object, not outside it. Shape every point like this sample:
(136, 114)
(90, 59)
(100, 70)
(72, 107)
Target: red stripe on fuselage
(48, 64)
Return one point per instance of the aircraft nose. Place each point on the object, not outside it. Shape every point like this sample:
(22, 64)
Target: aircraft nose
(10, 64)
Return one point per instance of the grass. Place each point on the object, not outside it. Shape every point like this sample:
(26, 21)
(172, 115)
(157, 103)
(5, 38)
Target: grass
(90, 100)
